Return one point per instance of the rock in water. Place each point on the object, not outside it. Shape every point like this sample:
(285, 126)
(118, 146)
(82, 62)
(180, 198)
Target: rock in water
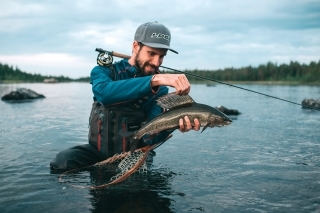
(21, 94)
(228, 111)
(310, 102)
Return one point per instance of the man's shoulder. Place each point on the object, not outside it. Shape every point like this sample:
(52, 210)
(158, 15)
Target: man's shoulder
(121, 65)
(118, 65)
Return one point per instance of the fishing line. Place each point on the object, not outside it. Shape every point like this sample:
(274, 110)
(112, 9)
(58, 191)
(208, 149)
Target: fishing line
(112, 53)
(231, 85)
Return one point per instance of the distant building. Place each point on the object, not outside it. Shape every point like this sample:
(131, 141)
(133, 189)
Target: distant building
(50, 80)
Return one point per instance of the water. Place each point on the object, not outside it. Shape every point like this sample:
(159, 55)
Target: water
(267, 160)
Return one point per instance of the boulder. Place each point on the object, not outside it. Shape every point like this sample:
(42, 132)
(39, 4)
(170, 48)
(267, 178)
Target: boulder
(228, 111)
(21, 94)
(310, 102)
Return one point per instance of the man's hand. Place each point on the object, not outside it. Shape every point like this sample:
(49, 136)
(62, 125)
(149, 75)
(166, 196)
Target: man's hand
(186, 125)
(178, 81)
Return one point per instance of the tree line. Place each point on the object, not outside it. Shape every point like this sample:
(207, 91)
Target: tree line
(269, 72)
(294, 71)
(11, 74)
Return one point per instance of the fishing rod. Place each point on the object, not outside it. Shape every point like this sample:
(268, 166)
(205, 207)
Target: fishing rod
(108, 54)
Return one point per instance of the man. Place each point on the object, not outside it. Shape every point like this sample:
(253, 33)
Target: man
(124, 87)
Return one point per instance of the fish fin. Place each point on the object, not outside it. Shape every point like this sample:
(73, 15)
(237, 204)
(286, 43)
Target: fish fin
(129, 136)
(172, 100)
(133, 144)
(206, 126)
(126, 135)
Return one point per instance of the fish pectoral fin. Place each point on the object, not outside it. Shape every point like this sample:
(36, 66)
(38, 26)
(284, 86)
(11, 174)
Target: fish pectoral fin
(206, 126)
(133, 144)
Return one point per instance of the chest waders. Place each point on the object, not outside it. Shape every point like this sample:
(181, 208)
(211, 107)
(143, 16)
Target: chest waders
(105, 124)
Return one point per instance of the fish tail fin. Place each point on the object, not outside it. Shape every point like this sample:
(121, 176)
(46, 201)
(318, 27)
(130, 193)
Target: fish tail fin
(130, 137)
(133, 144)
(127, 135)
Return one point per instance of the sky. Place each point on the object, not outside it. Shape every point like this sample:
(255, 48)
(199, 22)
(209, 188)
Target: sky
(59, 37)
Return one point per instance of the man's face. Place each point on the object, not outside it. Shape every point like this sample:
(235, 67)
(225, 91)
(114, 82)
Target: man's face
(149, 59)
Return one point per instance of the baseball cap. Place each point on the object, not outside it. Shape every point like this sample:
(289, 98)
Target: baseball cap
(154, 34)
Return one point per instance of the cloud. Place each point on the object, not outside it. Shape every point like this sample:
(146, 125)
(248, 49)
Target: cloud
(55, 64)
(207, 34)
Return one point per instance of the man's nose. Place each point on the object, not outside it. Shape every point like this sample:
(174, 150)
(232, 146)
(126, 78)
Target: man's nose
(156, 61)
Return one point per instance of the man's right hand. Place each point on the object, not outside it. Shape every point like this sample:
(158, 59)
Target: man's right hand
(178, 81)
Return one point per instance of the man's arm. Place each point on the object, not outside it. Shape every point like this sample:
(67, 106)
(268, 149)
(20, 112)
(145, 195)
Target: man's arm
(110, 92)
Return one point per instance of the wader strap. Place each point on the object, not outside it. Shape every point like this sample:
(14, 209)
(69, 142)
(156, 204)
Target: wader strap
(113, 72)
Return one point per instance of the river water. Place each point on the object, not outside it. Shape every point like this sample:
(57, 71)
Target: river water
(267, 160)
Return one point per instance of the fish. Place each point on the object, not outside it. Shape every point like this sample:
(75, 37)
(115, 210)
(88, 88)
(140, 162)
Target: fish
(177, 107)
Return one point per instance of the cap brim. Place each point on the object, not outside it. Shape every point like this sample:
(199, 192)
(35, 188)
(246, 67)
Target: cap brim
(157, 45)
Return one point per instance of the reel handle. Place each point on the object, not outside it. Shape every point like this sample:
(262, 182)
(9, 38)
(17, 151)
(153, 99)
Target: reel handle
(113, 53)
(120, 55)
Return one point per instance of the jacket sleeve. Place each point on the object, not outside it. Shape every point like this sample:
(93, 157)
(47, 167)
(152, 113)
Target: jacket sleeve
(110, 92)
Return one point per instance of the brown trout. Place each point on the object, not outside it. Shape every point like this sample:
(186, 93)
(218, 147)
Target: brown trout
(179, 107)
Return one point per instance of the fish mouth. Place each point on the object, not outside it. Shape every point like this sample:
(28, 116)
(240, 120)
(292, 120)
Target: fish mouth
(228, 120)
(223, 116)
(218, 120)
(225, 123)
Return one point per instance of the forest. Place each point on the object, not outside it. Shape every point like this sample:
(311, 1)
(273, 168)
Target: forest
(11, 74)
(293, 72)
(270, 72)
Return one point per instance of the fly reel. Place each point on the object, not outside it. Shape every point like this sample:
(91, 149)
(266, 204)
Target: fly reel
(104, 57)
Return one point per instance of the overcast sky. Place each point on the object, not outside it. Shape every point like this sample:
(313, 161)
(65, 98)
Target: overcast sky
(60, 37)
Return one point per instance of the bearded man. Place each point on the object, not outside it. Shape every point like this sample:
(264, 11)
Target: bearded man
(126, 91)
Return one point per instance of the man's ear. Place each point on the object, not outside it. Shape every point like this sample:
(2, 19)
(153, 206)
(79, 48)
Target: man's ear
(135, 47)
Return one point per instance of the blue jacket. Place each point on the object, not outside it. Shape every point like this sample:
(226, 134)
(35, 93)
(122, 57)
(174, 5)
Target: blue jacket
(127, 87)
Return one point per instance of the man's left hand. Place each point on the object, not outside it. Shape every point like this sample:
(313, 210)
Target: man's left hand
(186, 125)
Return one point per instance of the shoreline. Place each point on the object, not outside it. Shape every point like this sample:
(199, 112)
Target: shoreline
(40, 82)
(209, 83)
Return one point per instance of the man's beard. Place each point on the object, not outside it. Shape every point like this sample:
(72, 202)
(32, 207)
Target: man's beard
(141, 67)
